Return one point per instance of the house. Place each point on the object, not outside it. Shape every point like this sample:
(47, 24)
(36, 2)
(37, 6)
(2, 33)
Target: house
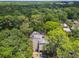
(75, 25)
(38, 41)
(42, 42)
(66, 27)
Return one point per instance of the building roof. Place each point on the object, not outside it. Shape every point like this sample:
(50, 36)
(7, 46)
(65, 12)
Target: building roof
(39, 37)
(43, 41)
(65, 25)
(67, 29)
(75, 22)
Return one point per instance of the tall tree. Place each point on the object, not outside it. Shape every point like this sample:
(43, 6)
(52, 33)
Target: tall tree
(59, 44)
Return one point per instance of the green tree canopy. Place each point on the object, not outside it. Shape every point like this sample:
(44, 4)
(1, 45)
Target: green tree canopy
(59, 43)
(13, 43)
(50, 25)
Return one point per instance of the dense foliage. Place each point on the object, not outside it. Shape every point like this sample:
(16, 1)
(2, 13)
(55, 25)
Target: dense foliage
(19, 19)
(13, 43)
